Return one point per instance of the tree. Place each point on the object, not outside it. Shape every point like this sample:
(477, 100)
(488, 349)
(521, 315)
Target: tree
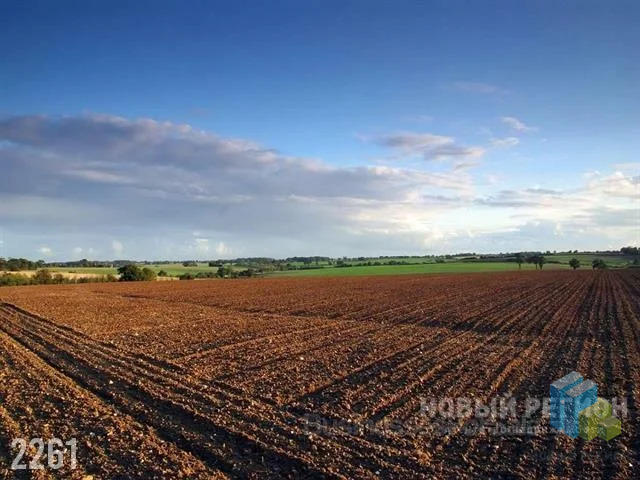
(148, 275)
(226, 271)
(574, 263)
(598, 263)
(537, 259)
(519, 259)
(541, 261)
(133, 273)
(18, 264)
(129, 273)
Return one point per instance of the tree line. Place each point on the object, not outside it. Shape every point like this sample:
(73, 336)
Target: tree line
(19, 264)
(537, 259)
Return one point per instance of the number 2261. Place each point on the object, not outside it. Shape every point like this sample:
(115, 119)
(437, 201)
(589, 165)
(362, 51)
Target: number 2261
(52, 453)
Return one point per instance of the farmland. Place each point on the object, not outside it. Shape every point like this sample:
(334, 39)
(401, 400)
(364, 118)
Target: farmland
(418, 268)
(333, 267)
(317, 377)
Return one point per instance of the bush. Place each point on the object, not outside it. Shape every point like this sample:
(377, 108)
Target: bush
(14, 280)
(148, 275)
(226, 271)
(249, 272)
(199, 275)
(343, 264)
(598, 263)
(206, 275)
(42, 277)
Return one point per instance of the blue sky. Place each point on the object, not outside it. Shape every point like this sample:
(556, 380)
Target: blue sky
(206, 129)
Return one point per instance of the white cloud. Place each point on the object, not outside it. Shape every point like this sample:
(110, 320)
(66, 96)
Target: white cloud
(46, 251)
(97, 176)
(517, 125)
(410, 142)
(117, 247)
(618, 184)
(507, 142)
(428, 145)
(201, 246)
(628, 167)
(222, 249)
(205, 247)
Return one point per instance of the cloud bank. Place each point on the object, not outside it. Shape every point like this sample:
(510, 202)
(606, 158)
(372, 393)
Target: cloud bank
(105, 186)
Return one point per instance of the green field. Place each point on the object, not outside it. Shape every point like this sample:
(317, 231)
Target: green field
(587, 258)
(554, 261)
(450, 267)
(176, 269)
(88, 270)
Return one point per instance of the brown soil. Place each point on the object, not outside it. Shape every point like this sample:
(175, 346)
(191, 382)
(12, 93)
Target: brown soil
(215, 379)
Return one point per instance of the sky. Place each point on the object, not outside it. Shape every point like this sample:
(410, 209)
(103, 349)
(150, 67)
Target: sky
(217, 129)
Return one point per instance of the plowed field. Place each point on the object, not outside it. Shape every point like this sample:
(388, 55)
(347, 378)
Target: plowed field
(318, 377)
